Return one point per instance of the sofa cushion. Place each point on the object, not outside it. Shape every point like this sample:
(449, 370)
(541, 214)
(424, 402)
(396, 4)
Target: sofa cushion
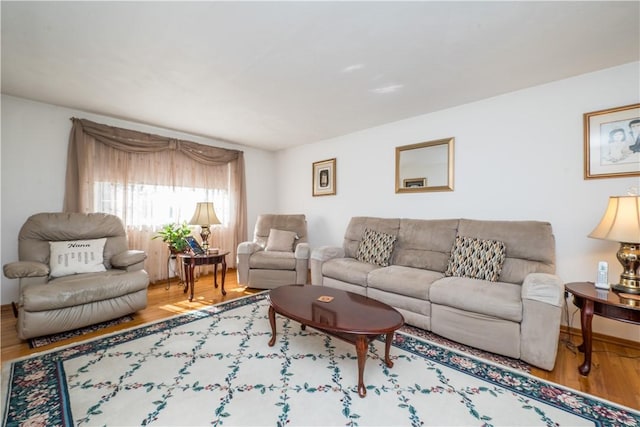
(376, 247)
(281, 240)
(273, 260)
(76, 256)
(397, 279)
(476, 258)
(348, 270)
(530, 245)
(357, 226)
(496, 299)
(425, 243)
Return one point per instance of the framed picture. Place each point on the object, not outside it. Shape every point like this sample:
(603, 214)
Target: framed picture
(194, 245)
(414, 182)
(612, 142)
(324, 178)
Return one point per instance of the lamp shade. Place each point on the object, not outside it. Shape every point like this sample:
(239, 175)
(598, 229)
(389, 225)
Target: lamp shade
(204, 215)
(621, 220)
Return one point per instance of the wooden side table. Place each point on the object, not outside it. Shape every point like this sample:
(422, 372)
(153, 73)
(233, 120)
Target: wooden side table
(190, 261)
(605, 303)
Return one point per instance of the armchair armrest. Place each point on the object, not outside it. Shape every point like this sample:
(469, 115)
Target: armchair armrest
(20, 269)
(247, 248)
(303, 250)
(244, 252)
(127, 259)
(543, 287)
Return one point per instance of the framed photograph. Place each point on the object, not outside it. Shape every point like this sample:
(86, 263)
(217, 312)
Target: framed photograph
(612, 142)
(414, 182)
(324, 178)
(194, 245)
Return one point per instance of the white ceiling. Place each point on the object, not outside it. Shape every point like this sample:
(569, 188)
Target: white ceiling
(278, 74)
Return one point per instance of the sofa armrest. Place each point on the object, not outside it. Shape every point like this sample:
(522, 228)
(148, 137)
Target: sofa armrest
(20, 269)
(542, 302)
(129, 260)
(325, 253)
(303, 250)
(543, 287)
(319, 256)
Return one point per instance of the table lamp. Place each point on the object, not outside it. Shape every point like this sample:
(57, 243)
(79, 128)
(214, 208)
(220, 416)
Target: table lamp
(621, 223)
(204, 216)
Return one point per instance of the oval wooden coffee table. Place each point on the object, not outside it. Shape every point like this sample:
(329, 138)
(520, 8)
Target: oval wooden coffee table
(351, 317)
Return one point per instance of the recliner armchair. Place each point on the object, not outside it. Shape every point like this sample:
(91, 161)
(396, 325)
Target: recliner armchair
(92, 276)
(278, 254)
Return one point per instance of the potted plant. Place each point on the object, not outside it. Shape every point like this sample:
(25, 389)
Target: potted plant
(173, 235)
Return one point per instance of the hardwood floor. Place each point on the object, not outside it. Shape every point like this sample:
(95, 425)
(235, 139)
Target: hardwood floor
(615, 372)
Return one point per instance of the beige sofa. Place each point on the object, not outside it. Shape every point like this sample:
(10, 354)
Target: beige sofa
(278, 254)
(49, 304)
(517, 315)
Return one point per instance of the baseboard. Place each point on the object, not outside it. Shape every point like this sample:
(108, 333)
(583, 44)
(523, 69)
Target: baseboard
(602, 338)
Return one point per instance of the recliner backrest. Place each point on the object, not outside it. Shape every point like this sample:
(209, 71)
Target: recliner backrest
(42, 228)
(293, 222)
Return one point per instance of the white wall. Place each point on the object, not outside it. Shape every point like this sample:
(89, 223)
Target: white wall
(517, 156)
(34, 156)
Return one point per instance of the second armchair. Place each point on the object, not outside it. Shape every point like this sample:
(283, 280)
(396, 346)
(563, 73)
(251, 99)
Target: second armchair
(278, 254)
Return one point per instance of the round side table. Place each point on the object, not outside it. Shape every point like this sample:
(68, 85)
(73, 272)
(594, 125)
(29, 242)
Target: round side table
(602, 302)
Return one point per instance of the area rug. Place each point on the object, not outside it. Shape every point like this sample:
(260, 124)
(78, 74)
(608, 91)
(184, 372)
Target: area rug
(438, 340)
(53, 338)
(214, 367)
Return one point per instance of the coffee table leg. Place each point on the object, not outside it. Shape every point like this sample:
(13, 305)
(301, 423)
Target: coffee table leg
(272, 321)
(361, 349)
(387, 348)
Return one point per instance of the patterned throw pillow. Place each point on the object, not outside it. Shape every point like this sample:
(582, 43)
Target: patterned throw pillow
(74, 257)
(375, 248)
(476, 258)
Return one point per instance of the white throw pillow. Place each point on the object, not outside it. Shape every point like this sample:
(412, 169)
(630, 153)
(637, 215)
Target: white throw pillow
(76, 256)
(281, 240)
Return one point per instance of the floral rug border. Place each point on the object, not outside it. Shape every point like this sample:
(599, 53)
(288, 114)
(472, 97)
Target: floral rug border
(53, 338)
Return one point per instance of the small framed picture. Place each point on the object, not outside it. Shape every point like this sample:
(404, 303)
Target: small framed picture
(324, 178)
(612, 142)
(414, 182)
(194, 245)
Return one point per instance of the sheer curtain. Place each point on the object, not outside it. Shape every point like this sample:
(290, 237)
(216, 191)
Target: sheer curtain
(150, 180)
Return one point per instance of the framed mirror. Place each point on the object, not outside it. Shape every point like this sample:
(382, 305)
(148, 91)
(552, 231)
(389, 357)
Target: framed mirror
(426, 166)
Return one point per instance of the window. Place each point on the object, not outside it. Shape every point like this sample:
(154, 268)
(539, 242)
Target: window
(151, 180)
(152, 206)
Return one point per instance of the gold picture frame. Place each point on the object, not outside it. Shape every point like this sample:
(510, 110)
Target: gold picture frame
(324, 178)
(612, 142)
(431, 162)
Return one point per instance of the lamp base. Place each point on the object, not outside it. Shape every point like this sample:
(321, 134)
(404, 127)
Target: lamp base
(626, 288)
(629, 257)
(204, 234)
